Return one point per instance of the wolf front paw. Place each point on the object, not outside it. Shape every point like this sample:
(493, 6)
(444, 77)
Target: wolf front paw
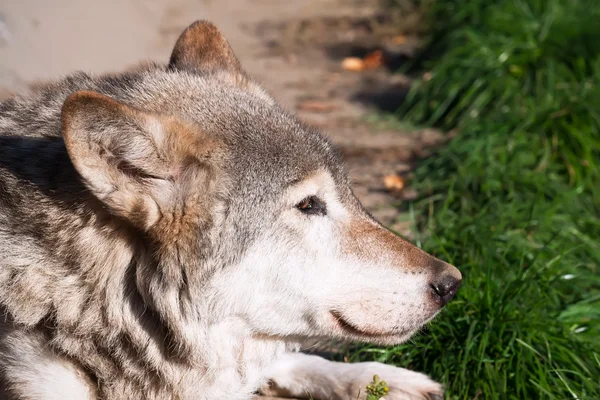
(303, 376)
(402, 384)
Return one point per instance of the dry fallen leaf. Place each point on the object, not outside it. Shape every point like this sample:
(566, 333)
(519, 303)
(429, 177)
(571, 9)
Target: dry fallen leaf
(373, 60)
(319, 106)
(393, 183)
(353, 64)
(400, 39)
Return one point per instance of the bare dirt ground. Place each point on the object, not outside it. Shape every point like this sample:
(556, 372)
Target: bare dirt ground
(294, 48)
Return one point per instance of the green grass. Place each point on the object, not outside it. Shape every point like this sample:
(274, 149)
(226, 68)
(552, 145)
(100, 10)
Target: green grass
(513, 200)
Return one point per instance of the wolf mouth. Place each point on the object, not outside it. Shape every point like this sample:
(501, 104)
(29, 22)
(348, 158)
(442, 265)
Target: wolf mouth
(348, 327)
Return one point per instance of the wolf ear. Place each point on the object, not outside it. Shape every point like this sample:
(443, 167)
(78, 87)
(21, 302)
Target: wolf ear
(122, 154)
(203, 48)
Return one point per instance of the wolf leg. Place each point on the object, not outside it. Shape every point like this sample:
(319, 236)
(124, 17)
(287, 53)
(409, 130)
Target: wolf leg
(28, 370)
(305, 376)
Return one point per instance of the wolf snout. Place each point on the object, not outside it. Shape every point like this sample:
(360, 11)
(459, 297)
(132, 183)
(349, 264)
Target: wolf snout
(444, 288)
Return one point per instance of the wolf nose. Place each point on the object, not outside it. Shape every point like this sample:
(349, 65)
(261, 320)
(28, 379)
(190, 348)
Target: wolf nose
(445, 288)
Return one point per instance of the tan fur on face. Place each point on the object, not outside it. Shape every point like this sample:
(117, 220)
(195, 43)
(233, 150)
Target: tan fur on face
(370, 241)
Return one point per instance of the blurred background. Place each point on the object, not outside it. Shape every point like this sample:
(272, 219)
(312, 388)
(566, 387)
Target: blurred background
(470, 127)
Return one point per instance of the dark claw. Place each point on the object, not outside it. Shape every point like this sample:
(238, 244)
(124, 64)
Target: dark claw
(435, 396)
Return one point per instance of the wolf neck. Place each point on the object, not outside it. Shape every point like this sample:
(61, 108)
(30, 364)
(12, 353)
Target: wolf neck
(99, 297)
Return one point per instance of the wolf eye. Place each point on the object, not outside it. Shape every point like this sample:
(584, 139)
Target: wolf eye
(312, 205)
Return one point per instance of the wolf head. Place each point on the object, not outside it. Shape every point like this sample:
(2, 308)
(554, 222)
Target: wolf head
(243, 210)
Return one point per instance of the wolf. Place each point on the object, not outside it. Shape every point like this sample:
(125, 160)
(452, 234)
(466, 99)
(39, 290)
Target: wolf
(173, 233)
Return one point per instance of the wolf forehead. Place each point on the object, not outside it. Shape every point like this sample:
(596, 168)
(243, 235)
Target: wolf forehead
(270, 146)
(267, 141)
